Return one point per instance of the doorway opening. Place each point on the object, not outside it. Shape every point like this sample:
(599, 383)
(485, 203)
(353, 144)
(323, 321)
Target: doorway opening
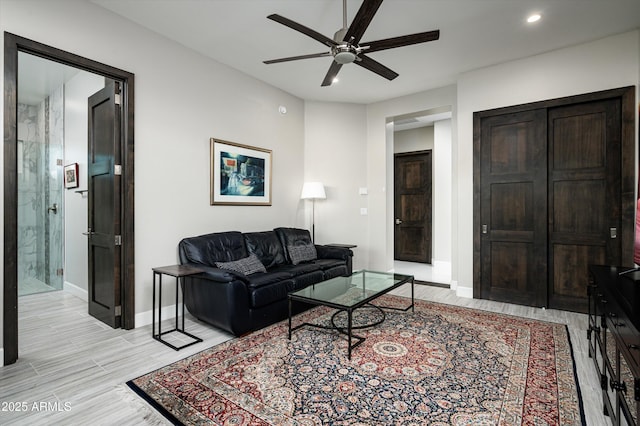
(14, 166)
(52, 211)
(426, 132)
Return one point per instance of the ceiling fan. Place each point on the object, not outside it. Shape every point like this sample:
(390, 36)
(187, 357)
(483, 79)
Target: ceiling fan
(345, 46)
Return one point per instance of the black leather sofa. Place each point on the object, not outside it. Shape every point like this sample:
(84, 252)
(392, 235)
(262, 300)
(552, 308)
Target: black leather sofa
(247, 276)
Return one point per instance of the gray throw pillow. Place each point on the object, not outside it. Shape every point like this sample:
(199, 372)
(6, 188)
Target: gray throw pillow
(302, 253)
(247, 266)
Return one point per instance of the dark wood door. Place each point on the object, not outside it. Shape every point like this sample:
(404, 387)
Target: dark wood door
(584, 197)
(104, 205)
(513, 212)
(412, 206)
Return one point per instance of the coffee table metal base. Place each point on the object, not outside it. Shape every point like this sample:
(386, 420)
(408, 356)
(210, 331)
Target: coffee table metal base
(348, 331)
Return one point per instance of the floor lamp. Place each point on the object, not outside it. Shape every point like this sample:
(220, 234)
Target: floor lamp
(313, 191)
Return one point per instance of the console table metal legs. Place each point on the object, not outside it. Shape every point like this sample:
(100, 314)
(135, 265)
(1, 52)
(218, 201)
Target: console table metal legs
(178, 272)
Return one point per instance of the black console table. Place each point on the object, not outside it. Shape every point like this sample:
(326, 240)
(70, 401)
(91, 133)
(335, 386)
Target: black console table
(177, 271)
(614, 340)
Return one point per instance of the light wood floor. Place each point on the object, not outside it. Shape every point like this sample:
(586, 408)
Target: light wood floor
(79, 365)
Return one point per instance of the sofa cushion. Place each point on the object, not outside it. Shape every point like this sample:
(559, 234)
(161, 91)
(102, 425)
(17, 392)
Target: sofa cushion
(266, 246)
(268, 288)
(270, 293)
(211, 248)
(302, 253)
(325, 264)
(247, 265)
(295, 270)
(295, 238)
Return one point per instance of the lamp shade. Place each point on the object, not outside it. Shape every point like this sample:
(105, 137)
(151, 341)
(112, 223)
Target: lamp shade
(313, 191)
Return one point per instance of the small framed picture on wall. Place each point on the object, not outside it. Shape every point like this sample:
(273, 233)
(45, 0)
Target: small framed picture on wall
(71, 176)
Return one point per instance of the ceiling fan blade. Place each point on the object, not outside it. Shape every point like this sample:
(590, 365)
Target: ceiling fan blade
(377, 67)
(301, 28)
(295, 58)
(362, 20)
(406, 40)
(331, 74)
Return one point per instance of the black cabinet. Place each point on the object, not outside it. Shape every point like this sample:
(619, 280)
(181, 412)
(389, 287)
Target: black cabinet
(614, 341)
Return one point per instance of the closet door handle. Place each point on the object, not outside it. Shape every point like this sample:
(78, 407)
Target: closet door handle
(88, 233)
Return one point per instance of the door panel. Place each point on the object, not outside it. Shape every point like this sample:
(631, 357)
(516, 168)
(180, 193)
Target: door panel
(104, 205)
(412, 239)
(584, 197)
(513, 208)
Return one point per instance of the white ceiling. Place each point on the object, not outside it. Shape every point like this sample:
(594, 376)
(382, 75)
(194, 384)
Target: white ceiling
(474, 34)
(39, 77)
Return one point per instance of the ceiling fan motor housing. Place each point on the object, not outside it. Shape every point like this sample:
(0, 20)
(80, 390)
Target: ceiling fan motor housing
(344, 53)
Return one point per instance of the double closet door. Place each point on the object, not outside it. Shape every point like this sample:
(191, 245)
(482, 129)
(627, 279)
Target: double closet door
(550, 181)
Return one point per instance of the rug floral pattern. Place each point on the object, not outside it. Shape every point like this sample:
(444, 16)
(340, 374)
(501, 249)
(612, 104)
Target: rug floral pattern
(440, 365)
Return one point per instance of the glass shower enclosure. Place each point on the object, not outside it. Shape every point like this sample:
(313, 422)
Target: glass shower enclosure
(41, 194)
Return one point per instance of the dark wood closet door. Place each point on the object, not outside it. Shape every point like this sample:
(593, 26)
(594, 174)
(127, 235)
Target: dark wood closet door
(554, 191)
(584, 197)
(513, 208)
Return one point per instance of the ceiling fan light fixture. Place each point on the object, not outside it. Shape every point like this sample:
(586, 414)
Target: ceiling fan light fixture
(344, 53)
(344, 57)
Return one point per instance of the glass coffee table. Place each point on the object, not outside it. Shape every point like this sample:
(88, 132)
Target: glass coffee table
(346, 294)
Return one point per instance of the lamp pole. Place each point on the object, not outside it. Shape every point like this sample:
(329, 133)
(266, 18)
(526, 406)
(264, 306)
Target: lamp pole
(313, 220)
(313, 191)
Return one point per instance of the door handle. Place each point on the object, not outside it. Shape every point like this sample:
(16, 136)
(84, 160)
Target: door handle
(88, 233)
(613, 232)
(485, 229)
(53, 208)
(398, 221)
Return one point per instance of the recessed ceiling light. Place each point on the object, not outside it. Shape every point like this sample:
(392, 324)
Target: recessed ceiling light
(533, 18)
(335, 80)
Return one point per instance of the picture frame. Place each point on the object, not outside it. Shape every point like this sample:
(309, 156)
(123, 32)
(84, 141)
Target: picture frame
(240, 174)
(71, 176)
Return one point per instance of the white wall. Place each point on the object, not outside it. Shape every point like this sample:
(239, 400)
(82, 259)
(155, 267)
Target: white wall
(603, 64)
(76, 92)
(419, 139)
(181, 100)
(335, 154)
(442, 201)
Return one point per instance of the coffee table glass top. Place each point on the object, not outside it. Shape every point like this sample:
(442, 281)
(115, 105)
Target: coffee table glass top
(350, 291)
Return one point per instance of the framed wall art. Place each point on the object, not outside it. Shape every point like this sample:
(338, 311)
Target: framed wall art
(240, 174)
(71, 176)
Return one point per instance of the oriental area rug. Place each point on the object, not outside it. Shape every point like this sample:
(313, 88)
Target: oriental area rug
(440, 365)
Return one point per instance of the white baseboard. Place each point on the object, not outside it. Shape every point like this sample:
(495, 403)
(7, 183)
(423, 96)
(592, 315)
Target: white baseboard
(142, 318)
(145, 318)
(466, 292)
(76, 291)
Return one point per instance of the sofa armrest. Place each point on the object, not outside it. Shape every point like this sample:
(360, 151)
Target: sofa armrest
(219, 275)
(332, 252)
(219, 298)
